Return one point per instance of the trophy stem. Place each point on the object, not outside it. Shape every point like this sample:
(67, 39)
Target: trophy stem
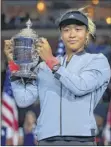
(24, 68)
(25, 72)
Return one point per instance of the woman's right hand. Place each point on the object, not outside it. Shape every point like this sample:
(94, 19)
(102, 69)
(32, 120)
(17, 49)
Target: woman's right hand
(8, 49)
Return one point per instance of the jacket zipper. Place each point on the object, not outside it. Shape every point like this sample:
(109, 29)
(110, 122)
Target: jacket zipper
(90, 105)
(61, 104)
(61, 110)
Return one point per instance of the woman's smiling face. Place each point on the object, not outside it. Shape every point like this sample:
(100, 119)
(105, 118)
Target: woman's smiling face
(74, 36)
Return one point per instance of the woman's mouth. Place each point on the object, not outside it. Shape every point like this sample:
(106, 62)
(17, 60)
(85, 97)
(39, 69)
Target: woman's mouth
(72, 41)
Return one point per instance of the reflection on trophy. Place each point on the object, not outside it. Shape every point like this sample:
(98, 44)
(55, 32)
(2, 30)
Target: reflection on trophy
(24, 51)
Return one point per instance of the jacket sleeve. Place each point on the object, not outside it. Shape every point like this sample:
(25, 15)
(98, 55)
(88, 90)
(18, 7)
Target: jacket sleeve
(95, 75)
(24, 94)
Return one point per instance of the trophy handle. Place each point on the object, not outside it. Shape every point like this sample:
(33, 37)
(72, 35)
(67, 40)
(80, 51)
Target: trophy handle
(12, 40)
(34, 52)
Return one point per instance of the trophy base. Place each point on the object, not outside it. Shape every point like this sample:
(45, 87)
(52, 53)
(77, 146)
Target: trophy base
(27, 74)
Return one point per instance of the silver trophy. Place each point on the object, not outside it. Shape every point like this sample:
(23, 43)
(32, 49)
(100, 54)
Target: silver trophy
(24, 53)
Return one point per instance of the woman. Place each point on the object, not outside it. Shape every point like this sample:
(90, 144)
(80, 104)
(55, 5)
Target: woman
(69, 87)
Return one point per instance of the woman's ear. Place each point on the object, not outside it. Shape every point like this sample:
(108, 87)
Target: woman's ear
(87, 39)
(88, 33)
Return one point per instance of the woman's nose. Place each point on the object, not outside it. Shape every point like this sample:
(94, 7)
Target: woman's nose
(73, 33)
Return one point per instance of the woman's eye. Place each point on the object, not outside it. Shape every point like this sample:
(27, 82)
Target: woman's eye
(78, 29)
(66, 30)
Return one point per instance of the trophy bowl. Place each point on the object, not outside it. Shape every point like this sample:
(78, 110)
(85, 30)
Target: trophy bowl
(24, 53)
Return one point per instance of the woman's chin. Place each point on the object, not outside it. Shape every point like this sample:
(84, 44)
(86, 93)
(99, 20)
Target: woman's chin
(73, 49)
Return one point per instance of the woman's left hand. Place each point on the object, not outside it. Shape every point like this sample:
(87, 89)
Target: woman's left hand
(44, 49)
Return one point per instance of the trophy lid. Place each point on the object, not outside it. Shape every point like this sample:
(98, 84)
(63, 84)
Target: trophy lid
(27, 32)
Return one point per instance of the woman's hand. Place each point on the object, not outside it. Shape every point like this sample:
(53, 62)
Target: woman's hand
(44, 49)
(8, 49)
